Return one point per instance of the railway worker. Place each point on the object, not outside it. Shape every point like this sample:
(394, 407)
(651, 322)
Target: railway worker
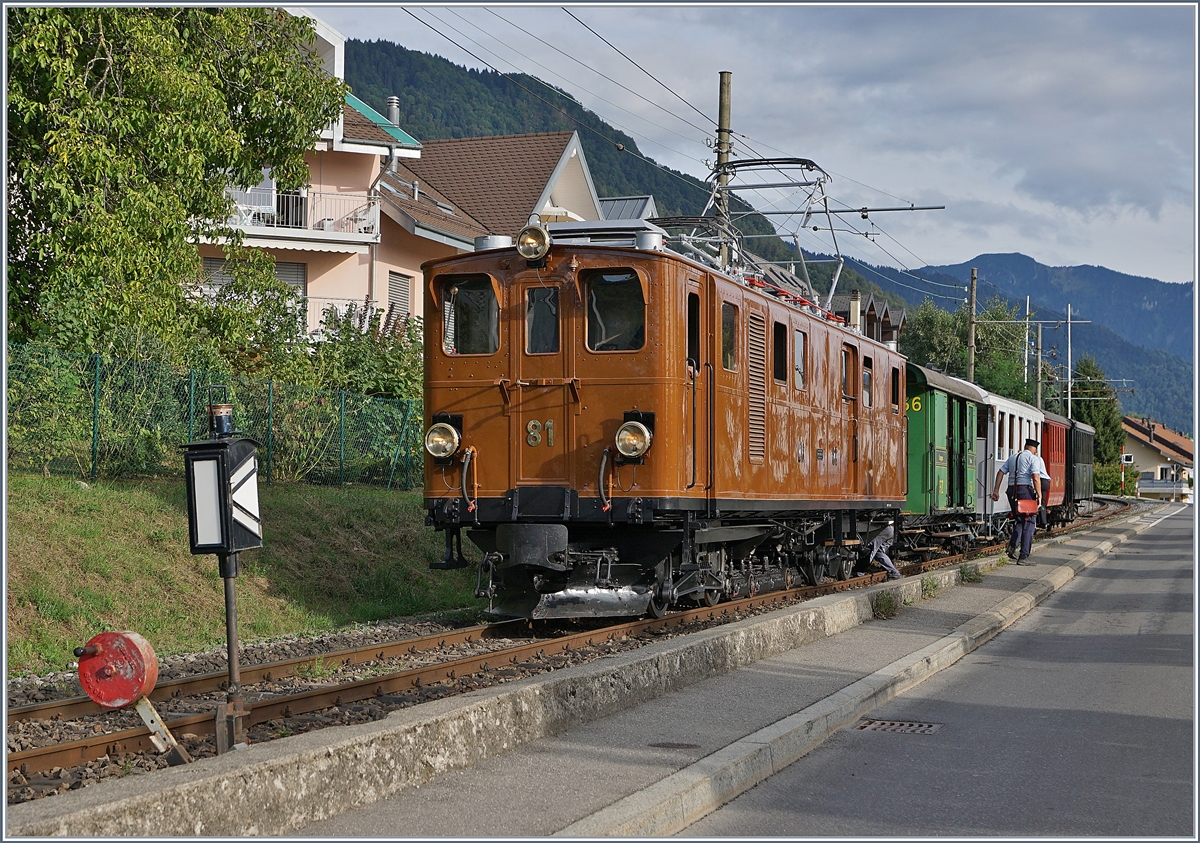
(879, 547)
(1022, 468)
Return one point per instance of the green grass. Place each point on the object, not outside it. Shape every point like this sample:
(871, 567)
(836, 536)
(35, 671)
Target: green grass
(114, 556)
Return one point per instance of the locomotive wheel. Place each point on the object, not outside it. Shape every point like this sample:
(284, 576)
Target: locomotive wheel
(711, 598)
(845, 568)
(658, 607)
(814, 573)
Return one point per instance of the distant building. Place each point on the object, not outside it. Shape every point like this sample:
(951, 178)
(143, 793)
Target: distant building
(870, 317)
(1164, 459)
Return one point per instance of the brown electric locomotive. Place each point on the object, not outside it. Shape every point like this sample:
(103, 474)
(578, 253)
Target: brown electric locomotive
(620, 428)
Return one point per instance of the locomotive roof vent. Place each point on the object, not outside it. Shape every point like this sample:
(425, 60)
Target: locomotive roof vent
(636, 233)
(492, 241)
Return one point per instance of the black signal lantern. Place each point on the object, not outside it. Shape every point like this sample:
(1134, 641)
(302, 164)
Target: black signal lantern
(221, 474)
(222, 488)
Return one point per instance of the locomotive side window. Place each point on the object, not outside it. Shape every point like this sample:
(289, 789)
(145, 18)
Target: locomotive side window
(867, 367)
(779, 353)
(470, 316)
(729, 321)
(693, 328)
(895, 390)
(616, 310)
(848, 373)
(541, 320)
(801, 342)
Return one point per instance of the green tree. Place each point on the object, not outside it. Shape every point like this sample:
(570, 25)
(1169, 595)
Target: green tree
(371, 352)
(938, 339)
(125, 126)
(1094, 402)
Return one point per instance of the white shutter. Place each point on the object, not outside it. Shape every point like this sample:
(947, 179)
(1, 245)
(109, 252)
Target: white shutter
(399, 294)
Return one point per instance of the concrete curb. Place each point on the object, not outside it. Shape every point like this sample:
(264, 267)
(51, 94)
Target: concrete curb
(674, 803)
(276, 787)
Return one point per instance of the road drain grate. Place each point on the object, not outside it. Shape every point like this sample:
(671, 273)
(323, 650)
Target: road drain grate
(675, 745)
(903, 726)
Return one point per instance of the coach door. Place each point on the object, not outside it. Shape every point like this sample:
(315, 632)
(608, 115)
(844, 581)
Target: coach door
(698, 370)
(541, 388)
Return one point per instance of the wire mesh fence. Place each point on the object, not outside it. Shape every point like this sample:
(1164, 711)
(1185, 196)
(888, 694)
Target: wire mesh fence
(90, 416)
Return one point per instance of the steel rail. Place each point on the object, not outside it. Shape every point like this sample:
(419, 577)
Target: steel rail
(138, 740)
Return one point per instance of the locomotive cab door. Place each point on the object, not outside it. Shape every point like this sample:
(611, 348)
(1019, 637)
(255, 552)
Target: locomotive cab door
(849, 461)
(698, 371)
(542, 386)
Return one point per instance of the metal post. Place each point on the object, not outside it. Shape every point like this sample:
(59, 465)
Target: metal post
(270, 425)
(95, 416)
(191, 403)
(971, 330)
(1039, 366)
(1026, 343)
(723, 147)
(231, 723)
(1070, 374)
(342, 441)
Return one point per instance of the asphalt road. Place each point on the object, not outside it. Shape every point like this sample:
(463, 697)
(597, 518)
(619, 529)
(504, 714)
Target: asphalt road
(1077, 720)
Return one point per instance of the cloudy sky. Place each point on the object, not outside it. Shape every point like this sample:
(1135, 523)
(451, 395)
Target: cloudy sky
(1067, 133)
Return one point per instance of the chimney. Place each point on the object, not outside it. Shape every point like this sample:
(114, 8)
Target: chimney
(1151, 432)
(855, 314)
(393, 111)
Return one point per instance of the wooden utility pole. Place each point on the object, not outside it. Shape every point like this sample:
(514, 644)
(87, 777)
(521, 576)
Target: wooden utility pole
(723, 148)
(971, 330)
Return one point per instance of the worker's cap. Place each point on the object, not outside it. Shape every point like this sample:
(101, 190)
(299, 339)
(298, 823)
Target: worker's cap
(1031, 443)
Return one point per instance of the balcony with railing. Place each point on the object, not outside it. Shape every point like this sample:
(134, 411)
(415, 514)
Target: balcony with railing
(1174, 490)
(306, 215)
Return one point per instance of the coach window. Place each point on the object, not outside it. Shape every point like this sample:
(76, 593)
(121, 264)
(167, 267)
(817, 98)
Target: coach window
(779, 361)
(801, 343)
(729, 320)
(616, 310)
(895, 390)
(470, 316)
(999, 432)
(541, 320)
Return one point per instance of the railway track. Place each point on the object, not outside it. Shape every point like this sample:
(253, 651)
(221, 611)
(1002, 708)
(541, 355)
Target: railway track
(408, 686)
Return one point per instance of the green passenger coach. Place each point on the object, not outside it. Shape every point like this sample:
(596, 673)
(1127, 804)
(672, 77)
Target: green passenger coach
(943, 416)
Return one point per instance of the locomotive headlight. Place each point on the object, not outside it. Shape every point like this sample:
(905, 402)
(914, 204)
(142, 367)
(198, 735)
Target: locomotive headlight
(633, 440)
(533, 243)
(441, 441)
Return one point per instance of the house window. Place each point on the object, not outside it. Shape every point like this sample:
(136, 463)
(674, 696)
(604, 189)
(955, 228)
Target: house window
(729, 320)
(779, 362)
(470, 315)
(399, 297)
(616, 310)
(801, 343)
(541, 320)
(218, 272)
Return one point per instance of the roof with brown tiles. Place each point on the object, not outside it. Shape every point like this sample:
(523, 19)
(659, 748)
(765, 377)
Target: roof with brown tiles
(1166, 441)
(498, 180)
(431, 209)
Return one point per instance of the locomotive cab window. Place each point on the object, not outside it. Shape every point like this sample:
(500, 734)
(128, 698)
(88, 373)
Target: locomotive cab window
(779, 353)
(801, 342)
(848, 373)
(541, 320)
(729, 322)
(693, 328)
(895, 390)
(470, 316)
(616, 310)
(867, 373)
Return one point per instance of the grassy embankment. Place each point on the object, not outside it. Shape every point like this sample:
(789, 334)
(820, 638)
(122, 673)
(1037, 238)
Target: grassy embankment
(114, 556)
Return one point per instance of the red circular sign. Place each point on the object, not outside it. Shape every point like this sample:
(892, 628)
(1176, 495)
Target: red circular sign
(118, 668)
